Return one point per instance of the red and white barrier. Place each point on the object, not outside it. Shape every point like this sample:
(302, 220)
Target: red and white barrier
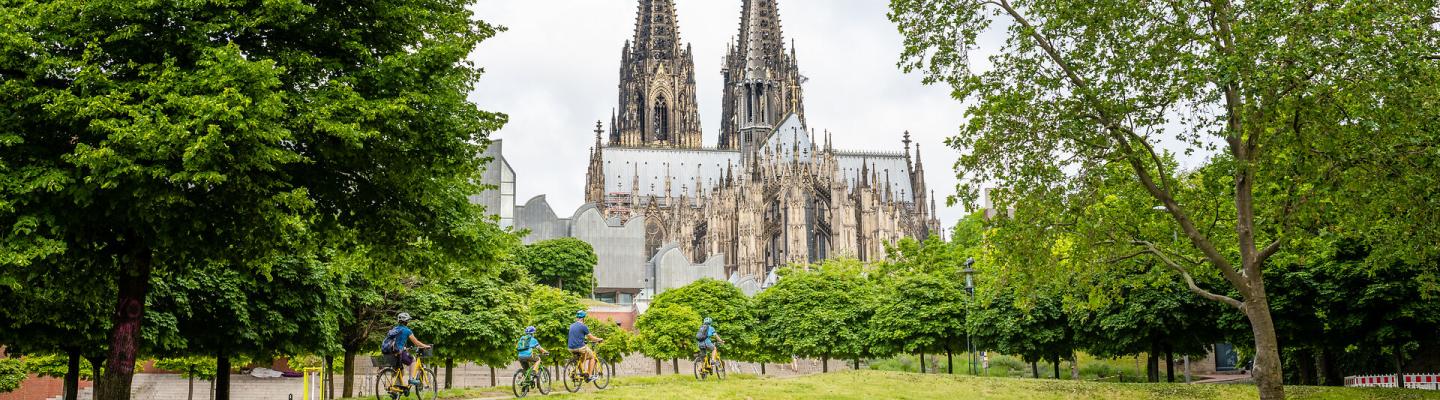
(1412, 381)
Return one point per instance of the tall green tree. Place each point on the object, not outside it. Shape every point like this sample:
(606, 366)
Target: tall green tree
(167, 135)
(822, 311)
(474, 317)
(729, 308)
(1274, 86)
(668, 331)
(565, 263)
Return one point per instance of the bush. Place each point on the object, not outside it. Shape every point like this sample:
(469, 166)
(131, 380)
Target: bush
(1099, 370)
(12, 372)
(1009, 363)
(901, 363)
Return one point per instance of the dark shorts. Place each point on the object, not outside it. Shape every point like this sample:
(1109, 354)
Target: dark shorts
(405, 358)
(526, 360)
(707, 346)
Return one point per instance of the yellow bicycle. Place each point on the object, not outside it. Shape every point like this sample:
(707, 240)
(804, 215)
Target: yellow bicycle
(390, 383)
(708, 363)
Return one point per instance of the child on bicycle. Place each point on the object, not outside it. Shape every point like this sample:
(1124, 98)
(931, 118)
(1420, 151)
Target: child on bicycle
(707, 336)
(579, 334)
(394, 344)
(525, 345)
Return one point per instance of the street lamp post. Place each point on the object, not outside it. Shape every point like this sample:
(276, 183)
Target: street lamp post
(970, 291)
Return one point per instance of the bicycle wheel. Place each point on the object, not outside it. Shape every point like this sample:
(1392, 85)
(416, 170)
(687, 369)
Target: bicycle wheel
(570, 376)
(542, 380)
(719, 368)
(605, 370)
(699, 362)
(519, 384)
(385, 381)
(429, 387)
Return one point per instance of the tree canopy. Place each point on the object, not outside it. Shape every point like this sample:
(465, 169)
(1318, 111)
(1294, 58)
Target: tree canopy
(565, 263)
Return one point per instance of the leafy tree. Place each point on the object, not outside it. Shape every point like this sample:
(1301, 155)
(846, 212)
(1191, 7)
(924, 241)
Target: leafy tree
(668, 331)
(551, 313)
(1094, 85)
(820, 312)
(1158, 318)
(565, 263)
(57, 306)
(729, 308)
(618, 341)
(918, 312)
(474, 318)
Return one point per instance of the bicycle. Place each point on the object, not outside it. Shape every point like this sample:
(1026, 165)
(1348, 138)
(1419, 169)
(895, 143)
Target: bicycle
(707, 363)
(390, 382)
(574, 380)
(536, 377)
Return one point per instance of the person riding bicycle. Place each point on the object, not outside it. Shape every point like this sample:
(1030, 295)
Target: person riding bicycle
(525, 345)
(579, 334)
(394, 344)
(707, 336)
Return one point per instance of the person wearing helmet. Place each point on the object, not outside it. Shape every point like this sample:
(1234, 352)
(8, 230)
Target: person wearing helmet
(395, 342)
(576, 342)
(524, 347)
(707, 336)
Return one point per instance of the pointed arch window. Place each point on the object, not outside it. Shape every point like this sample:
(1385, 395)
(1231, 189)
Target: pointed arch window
(662, 119)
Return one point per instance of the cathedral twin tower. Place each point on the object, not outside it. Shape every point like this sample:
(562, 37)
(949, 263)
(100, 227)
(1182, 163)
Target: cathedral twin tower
(772, 192)
(657, 82)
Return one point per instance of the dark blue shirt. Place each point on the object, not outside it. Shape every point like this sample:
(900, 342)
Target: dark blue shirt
(578, 332)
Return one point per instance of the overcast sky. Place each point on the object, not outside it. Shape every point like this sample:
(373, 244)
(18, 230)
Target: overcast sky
(556, 70)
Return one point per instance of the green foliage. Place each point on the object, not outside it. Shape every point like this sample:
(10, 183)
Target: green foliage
(189, 367)
(55, 366)
(618, 341)
(565, 263)
(12, 373)
(668, 331)
(819, 312)
(729, 308)
(919, 312)
(473, 317)
(551, 313)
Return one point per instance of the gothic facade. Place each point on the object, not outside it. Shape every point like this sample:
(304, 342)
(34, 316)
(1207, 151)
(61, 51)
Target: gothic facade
(773, 191)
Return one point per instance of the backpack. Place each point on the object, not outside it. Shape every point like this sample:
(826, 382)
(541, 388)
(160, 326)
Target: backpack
(389, 346)
(703, 334)
(523, 344)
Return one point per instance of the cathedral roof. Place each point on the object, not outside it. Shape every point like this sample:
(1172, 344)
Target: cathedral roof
(649, 168)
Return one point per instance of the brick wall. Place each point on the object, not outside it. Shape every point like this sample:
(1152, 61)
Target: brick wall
(40, 388)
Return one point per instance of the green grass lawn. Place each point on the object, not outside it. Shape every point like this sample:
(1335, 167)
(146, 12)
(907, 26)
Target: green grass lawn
(901, 385)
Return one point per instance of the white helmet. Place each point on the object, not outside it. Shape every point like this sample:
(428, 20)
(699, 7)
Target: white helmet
(403, 317)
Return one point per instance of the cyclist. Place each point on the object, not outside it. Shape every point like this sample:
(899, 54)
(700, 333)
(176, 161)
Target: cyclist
(579, 334)
(395, 344)
(525, 345)
(707, 338)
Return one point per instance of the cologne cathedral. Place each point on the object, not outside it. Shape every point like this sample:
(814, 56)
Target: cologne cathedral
(772, 191)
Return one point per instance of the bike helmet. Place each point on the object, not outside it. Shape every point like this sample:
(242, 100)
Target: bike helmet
(708, 321)
(580, 314)
(403, 317)
(529, 330)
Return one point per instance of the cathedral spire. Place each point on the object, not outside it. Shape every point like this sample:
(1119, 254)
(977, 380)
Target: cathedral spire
(762, 81)
(657, 104)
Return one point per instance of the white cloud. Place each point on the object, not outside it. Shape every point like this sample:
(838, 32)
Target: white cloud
(556, 69)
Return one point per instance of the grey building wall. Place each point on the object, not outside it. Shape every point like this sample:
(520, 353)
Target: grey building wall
(620, 248)
(673, 269)
(499, 199)
(537, 216)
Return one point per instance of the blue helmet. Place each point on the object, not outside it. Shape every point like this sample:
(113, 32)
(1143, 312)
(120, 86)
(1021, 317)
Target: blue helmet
(580, 314)
(529, 330)
(708, 321)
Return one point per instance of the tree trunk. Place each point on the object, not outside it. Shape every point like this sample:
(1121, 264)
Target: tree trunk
(1325, 363)
(1399, 369)
(347, 372)
(1034, 370)
(95, 363)
(675, 364)
(133, 283)
(329, 376)
(1169, 364)
(657, 367)
(825, 364)
(72, 374)
(762, 368)
(1152, 367)
(222, 377)
(191, 394)
(922, 362)
(1305, 369)
(1267, 348)
(857, 364)
(1055, 363)
(450, 371)
(949, 362)
(1074, 368)
(492, 376)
